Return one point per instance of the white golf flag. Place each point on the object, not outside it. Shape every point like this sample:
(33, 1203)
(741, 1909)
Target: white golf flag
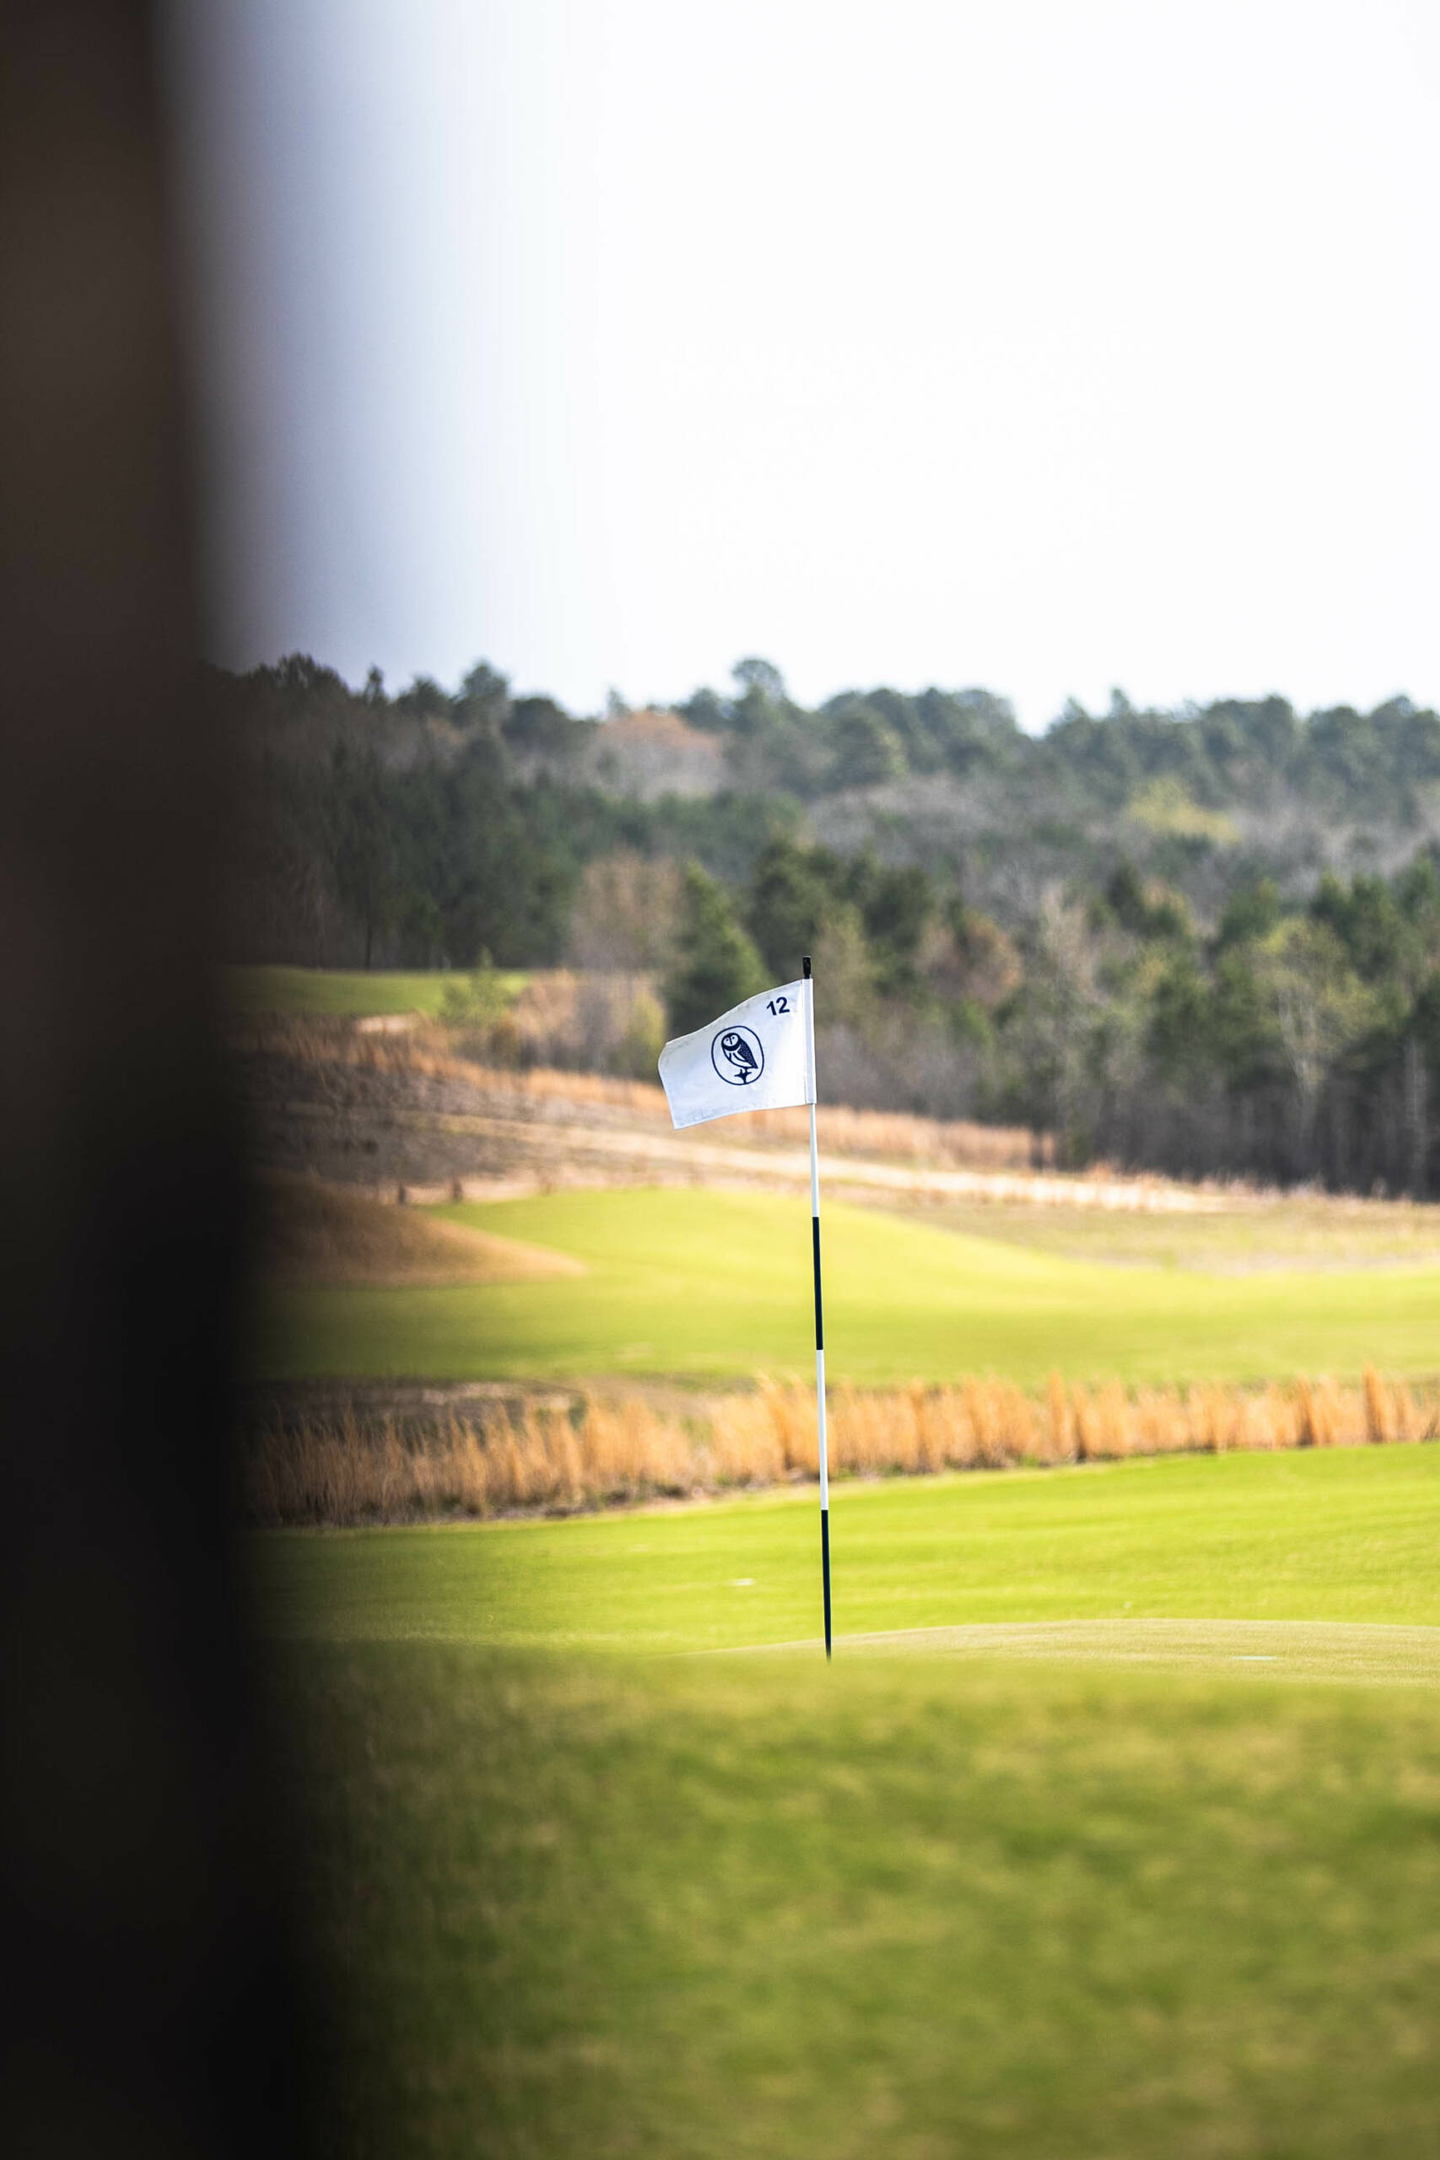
(754, 1057)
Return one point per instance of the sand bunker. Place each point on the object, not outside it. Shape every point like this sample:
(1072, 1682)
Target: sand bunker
(325, 1234)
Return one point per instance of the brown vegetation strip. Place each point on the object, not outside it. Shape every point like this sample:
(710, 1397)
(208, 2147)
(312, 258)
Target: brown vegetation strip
(337, 1471)
(429, 1051)
(551, 1116)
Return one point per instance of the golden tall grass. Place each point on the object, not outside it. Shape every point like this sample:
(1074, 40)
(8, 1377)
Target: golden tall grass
(600, 1454)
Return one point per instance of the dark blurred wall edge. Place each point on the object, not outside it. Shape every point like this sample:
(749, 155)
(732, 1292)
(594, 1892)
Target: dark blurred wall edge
(153, 2008)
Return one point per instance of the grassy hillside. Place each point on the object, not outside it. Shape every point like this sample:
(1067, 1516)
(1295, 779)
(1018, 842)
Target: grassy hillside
(357, 994)
(711, 1284)
(687, 1907)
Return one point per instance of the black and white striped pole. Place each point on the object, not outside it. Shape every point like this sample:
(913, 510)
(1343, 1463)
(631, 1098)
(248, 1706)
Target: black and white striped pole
(819, 1314)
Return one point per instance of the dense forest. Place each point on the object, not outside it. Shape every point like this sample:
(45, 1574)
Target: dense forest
(1205, 941)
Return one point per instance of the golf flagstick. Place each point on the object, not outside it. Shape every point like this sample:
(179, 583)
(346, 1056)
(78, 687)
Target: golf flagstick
(760, 1055)
(819, 1316)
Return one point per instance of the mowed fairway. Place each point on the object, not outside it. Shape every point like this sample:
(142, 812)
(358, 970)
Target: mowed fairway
(710, 1284)
(596, 1878)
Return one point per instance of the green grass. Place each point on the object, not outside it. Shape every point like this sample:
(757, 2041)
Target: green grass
(584, 1900)
(355, 994)
(712, 1284)
(764, 1911)
(1348, 1535)
(1271, 1233)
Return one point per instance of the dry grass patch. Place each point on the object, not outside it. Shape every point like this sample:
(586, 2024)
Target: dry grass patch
(339, 1470)
(330, 1235)
(430, 1051)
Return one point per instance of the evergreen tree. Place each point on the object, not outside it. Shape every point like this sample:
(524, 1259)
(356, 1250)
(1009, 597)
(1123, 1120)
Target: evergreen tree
(716, 964)
(791, 896)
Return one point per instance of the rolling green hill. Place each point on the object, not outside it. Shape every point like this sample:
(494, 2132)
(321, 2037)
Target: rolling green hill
(710, 1284)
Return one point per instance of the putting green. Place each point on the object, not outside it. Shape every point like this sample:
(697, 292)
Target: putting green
(710, 1284)
(1340, 1538)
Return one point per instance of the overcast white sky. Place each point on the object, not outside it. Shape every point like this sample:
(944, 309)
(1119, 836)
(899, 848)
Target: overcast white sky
(1043, 344)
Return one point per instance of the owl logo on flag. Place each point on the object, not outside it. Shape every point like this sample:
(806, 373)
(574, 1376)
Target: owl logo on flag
(738, 1056)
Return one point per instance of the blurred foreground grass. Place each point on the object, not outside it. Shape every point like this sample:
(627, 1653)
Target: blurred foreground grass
(580, 1898)
(903, 1906)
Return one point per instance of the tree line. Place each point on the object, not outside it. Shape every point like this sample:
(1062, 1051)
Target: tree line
(1127, 936)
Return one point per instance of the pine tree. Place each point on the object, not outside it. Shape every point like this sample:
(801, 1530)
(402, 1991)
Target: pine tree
(716, 965)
